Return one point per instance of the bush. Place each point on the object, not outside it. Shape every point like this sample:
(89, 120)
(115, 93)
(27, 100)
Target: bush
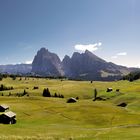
(13, 77)
(1, 78)
(3, 87)
(24, 92)
(61, 96)
(77, 98)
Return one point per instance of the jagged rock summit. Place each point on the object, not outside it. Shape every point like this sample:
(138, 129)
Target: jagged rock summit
(84, 66)
(47, 63)
(80, 66)
(88, 66)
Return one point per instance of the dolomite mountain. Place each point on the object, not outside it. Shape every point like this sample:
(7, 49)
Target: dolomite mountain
(47, 63)
(84, 66)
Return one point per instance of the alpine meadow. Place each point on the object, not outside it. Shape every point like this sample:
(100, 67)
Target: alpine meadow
(69, 70)
(48, 118)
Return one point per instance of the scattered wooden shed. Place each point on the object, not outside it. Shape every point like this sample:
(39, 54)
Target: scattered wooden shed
(122, 104)
(36, 87)
(3, 107)
(8, 118)
(99, 99)
(109, 89)
(117, 90)
(71, 100)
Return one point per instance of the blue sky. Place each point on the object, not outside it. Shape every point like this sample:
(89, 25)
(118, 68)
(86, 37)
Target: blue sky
(109, 28)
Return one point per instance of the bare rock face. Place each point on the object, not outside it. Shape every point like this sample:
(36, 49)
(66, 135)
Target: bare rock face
(47, 63)
(82, 66)
(66, 64)
(87, 66)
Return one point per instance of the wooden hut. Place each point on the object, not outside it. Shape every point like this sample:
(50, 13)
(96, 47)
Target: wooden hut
(8, 118)
(71, 100)
(109, 89)
(3, 108)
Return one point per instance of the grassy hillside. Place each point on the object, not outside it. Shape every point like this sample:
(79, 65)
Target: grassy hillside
(42, 118)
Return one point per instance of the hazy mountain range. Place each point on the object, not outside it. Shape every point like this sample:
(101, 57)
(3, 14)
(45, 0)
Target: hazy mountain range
(16, 69)
(85, 66)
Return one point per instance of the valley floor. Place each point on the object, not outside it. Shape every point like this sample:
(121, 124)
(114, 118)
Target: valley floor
(49, 118)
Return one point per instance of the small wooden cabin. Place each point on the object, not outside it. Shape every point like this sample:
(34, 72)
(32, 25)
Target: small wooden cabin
(109, 89)
(71, 100)
(3, 108)
(8, 118)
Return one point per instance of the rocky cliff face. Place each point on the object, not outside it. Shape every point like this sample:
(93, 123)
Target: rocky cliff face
(47, 63)
(66, 65)
(85, 66)
(88, 66)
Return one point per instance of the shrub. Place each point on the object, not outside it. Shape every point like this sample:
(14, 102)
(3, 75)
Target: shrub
(13, 77)
(3, 87)
(24, 92)
(1, 78)
(61, 96)
(77, 98)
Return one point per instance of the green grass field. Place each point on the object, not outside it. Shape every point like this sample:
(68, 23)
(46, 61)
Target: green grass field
(49, 118)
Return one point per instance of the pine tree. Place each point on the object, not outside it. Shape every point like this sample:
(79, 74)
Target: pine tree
(46, 93)
(95, 94)
(24, 92)
(55, 95)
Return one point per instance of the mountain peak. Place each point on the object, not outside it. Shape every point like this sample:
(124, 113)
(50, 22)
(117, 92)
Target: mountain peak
(90, 53)
(75, 54)
(66, 57)
(46, 63)
(85, 66)
(43, 50)
(87, 51)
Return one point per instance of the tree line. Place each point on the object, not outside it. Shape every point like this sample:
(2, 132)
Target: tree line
(132, 76)
(47, 93)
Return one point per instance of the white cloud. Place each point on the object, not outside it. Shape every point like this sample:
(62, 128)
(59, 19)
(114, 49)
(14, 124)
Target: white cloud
(90, 47)
(138, 66)
(114, 57)
(119, 54)
(100, 43)
(28, 62)
(122, 53)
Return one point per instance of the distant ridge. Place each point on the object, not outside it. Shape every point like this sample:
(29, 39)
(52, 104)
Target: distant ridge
(16, 69)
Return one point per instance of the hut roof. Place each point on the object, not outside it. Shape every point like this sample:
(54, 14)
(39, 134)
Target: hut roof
(109, 88)
(71, 100)
(10, 114)
(4, 106)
